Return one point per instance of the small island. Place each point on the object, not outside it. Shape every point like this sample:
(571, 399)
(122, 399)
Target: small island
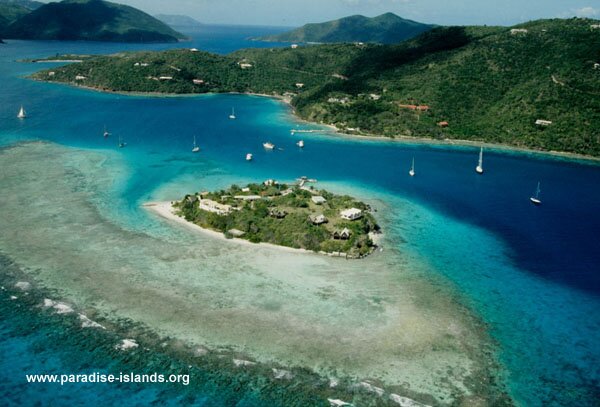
(296, 216)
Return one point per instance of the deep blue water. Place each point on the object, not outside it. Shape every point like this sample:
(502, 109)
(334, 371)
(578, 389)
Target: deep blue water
(534, 275)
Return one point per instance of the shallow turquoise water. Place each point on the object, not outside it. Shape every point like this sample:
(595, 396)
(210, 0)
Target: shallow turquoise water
(530, 273)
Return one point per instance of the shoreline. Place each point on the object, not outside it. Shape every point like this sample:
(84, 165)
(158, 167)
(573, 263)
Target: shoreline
(338, 133)
(165, 211)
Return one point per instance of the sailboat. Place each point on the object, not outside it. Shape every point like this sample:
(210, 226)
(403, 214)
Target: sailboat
(412, 168)
(300, 144)
(479, 167)
(536, 198)
(195, 149)
(22, 113)
(121, 142)
(232, 115)
(106, 133)
(268, 145)
(248, 157)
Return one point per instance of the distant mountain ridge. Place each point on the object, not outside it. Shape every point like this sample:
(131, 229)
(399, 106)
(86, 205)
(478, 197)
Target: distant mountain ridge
(533, 85)
(90, 20)
(387, 28)
(12, 10)
(176, 21)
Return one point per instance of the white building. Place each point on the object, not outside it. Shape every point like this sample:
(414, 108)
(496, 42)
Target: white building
(299, 85)
(541, 122)
(515, 31)
(318, 219)
(294, 46)
(351, 214)
(211, 206)
(80, 78)
(248, 197)
(317, 199)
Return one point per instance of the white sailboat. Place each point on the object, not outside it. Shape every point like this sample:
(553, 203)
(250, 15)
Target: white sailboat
(300, 144)
(195, 149)
(268, 145)
(479, 167)
(106, 133)
(536, 198)
(248, 157)
(22, 113)
(412, 168)
(232, 115)
(121, 142)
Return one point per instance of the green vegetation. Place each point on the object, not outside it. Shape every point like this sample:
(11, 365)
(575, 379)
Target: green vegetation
(90, 20)
(12, 10)
(489, 84)
(285, 216)
(387, 28)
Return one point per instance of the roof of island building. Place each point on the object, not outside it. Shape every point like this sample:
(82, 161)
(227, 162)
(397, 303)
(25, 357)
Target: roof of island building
(318, 219)
(248, 197)
(318, 199)
(351, 214)
(211, 206)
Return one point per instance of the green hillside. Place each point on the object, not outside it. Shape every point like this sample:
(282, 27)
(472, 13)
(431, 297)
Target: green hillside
(384, 29)
(487, 83)
(90, 20)
(12, 10)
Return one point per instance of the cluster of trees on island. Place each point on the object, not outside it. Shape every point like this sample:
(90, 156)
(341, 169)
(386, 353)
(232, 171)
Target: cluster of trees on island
(284, 215)
(483, 83)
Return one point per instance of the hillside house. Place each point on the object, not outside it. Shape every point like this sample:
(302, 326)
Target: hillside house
(344, 234)
(318, 200)
(318, 219)
(351, 214)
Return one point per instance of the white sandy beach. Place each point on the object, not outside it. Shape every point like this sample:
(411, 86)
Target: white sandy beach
(166, 211)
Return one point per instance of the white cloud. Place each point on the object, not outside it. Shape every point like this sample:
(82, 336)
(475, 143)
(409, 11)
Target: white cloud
(587, 12)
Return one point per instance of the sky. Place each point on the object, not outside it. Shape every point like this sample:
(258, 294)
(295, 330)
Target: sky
(291, 13)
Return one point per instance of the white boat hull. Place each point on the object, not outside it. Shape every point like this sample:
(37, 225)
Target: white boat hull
(535, 201)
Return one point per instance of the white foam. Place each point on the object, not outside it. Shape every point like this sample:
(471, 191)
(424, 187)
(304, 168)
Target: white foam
(88, 323)
(283, 374)
(405, 401)
(127, 344)
(241, 362)
(338, 403)
(59, 307)
(23, 285)
(62, 308)
(48, 303)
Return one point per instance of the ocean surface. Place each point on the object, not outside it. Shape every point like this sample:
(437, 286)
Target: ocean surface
(531, 274)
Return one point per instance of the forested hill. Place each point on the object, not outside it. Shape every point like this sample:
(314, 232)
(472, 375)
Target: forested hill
(387, 28)
(90, 20)
(486, 83)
